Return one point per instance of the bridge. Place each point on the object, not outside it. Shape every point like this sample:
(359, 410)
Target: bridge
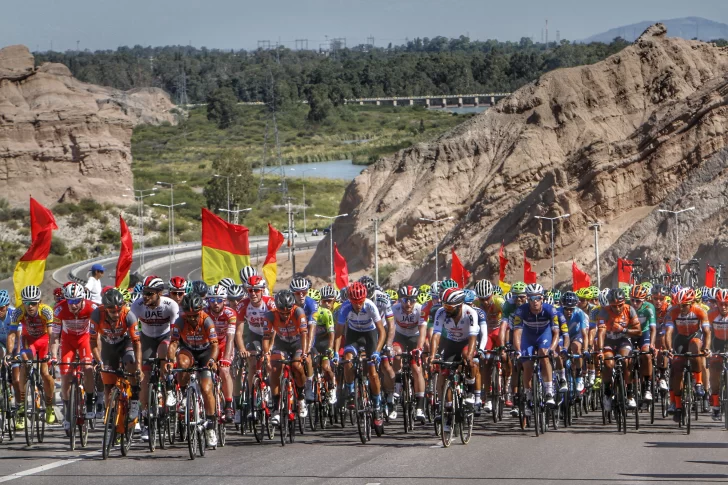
(434, 101)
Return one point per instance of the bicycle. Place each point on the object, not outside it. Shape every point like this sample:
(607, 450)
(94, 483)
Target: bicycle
(572, 400)
(219, 410)
(194, 413)
(540, 412)
(723, 392)
(242, 400)
(638, 391)
(619, 388)
(688, 392)
(287, 402)
(157, 415)
(7, 410)
(719, 275)
(116, 418)
(459, 415)
(432, 375)
(636, 272)
(320, 409)
(408, 392)
(260, 397)
(689, 273)
(76, 406)
(35, 401)
(497, 384)
(363, 406)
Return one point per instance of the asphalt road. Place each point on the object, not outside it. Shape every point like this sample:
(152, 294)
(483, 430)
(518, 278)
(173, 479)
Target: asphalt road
(586, 452)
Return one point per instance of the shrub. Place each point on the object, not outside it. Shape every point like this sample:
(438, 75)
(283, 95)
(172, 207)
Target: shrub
(58, 246)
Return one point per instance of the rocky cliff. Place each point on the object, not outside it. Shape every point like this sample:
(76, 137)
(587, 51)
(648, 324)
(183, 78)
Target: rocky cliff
(61, 139)
(614, 141)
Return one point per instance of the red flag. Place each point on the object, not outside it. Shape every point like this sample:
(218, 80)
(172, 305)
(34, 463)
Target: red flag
(529, 276)
(341, 270)
(503, 263)
(579, 278)
(458, 271)
(624, 270)
(668, 269)
(710, 276)
(123, 264)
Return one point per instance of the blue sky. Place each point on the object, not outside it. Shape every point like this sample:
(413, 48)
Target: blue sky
(106, 24)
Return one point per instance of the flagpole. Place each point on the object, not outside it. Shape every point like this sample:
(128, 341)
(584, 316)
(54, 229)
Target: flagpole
(437, 241)
(553, 253)
(595, 226)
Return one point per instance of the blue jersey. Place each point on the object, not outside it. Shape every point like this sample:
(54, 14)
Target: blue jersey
(579, 321)
(310, 307)
(364, 321)
(6, 326)
(547, 317)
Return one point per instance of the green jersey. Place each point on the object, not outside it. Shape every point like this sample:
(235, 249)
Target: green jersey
(647, 316)
(324, 322)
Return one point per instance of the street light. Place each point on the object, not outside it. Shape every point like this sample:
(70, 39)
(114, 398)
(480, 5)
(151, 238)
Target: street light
(140, 212)
(303, 184)
(170, 208)
(596, 225)
(677, 230)
(171, 201)
(331, 237)
(437, 241)
(227, 178)
(553, 256)
(376, 220)
(236, 212)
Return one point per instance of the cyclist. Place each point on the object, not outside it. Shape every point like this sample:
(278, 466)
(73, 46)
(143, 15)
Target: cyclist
(719, 322)
(194, 333)
(648, 323)
(225, 320)
(460, 321)
(7, 334)
(30, 326)
(410, 333)
(157, 314)
(492, 305)
(659, 301)
(246, 272)
(300, 288)
(536, 331)
(114, 341)
(286, 333)
(322, 341)
(693, 335)
(518, 298)
(177, 289)
(578, 323)
(429, 310)
(364, 327)
(72, 327)
(616, 323)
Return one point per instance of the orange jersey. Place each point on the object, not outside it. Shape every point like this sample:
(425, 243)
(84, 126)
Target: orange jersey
(290, 329)
(719, 324)
(113, 333)
(687, 323)
(615, 322)
(661, 312)
(199, 337)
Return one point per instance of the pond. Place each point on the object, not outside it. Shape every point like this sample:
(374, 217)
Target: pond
(336, 169)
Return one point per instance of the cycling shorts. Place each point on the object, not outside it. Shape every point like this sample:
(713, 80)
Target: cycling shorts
(320, 345)
(616, 344)
(114, 354)
(719, 347)
(355, 340)
(405, 343)
(70, 344)
(199, 358)
(681, 343)
(532, 340)
(451, 350)
(38, 347)
(288, 349)
(493, 339)
(150, 347)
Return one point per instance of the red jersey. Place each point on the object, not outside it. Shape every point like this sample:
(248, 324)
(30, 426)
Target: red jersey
(255, 316)
(719, 324)
(689, 322)
(67, 322)
(225, 322)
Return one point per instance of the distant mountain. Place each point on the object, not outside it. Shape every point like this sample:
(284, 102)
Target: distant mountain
(686, 27)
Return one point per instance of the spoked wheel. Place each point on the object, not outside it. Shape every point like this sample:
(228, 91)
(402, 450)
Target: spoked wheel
(688, 400)
(361, 411)
(192, 414)
(285, 402)
(466, 424)
(73, 411)
(496, 391)
(152, 416)
(110, 424)
(446, 414)
(724, 397)
(201, 439)
(128, 435)
(30, 412)
(537, 401)
(259, 421)
(244, 406)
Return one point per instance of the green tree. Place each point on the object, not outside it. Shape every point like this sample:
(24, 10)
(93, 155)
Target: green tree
(232, 164)
(222, 108)
(319, 104)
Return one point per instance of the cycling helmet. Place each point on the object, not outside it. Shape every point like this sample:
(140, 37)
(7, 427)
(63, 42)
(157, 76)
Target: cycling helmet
(192, 303)
(591, 292)
(177, 283)
(698, 294)
(217, 291)
(484, 289)
(425, 288)
(685, 296)
(615, 295)
(368, 283)
(135, 296)
(285, 301)
(435, 289)
(549, 299)
(87, 293)
(498, 291)
(721, 296)
(447, 284)
(581, 293)
(508, 296)
(314, 294)
(392, 294)
(518, 288)
(603, 299)
(139, 287)
(125, 294)
(299, 284)
(4, 298)
(423, 298)
(382, 299)
(453, 297)
(408, 292)
(668, 299)
(357, 292)
(153, 283)
(246, 273)
(647, 285)
(639, 292)
(557, 295)
(328, 293)
(57, 294)
(226, 282)
(534, 289)
(199, 287)
(112, 299)
(710, 294)
(256, 282)
(569, 300)
(659, 290)
(469, 296)
(675, 290)
(74, 291)
(236, 292)
(344, 294)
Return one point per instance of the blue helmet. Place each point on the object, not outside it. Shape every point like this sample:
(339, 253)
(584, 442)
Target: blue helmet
(469, 296)
(4, 298)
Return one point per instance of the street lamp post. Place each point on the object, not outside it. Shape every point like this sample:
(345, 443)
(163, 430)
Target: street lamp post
(227, 179)
(170, 208)
(235, 212)
(677, 231)
(437, 242)
(171, 204)
(376, 220)
(331, 238)
(553, 255)
(139, 196)
(303, 184)
(595, 226)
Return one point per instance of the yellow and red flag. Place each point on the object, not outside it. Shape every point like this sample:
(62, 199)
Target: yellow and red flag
(270, 266)
(30, 268)
(225, 248)
(123, 264)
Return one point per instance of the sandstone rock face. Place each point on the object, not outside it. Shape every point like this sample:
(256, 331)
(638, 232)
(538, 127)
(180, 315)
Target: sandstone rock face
(613, 141)
(61, 139)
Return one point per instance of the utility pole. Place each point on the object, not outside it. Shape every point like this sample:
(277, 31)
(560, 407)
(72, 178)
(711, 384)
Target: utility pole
(227, 180)
(595, 225)
(677, 231)
(235, 213)
(291, 223)
(376, 220)
(331, 239)
(553, 255)
(435, 222)
(170, 250)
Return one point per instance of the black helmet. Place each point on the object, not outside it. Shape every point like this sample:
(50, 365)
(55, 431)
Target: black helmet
(284, 300)
(615, 295)
(192, 302)
(368, 282)
(569, 299)
(112, 298)
(199, 288)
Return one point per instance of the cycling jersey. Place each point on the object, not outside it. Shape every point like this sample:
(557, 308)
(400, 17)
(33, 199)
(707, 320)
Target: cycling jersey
(364, 321)
(576, 324)
(689, 322)
(310, 307)
(156, 321)
(408, 324)
(647, 316)
(719, 324)
(507, 310)
(593, 314)
(113, 333)
(290, 330)
(493, 309)
(324, 322)
(614, 323)
(462, 329)
(199, 337)
(225, 323)
(547, 317)
(384, 305)
(7, 327)
(255, 316)
(431, 314)
(69, 323)
(32, 327)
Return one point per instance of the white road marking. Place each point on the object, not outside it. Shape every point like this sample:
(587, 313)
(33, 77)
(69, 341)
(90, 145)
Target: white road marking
(373, 483)
(49, 466)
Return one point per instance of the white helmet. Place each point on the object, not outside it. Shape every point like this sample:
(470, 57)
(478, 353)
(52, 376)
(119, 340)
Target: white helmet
(483, 289)
(217, 291)
(534, 289)
(74, 291)
(246, 273)
(30, 293)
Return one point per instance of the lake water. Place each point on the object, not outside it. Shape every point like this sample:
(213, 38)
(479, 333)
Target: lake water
(464, 109)
(337, 169)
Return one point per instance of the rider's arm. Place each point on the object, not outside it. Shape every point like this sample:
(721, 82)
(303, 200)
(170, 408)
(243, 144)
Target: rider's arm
(382, 337)
(239, 335)
(390, 329)
(707, 334)
(174, 343)
(422, 336)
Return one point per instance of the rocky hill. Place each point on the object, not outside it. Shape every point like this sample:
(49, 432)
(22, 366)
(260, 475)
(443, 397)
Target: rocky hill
(613, 141)
(61, 139)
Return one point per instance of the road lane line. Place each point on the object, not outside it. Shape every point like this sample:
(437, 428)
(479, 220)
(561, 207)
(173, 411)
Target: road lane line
(49, 466)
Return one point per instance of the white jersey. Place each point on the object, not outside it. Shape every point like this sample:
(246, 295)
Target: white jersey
(384, 305)
(364, 321)
(255, 316)
(460, 331)
(408, 324)
(157, 321)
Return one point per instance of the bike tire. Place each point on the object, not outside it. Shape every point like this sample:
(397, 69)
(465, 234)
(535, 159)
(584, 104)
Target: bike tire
(191, 416)
(637, 386)
(128, 435)
(653, 388)
(446, 413)
(687, 399)
(152, 415)
(40, 422)
(284, 411)
(73, 414)
(623, 402)
(201, 440)
(495, 391)
(258, 413)
(107, 443)
(361, 419)
(244, 404)
(537, 404)
(522, 419)
(30, 411)
(466, 424)
(406, 417)
(724, 397)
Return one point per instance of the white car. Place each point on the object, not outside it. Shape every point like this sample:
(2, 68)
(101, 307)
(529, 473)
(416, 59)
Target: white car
(285, 233)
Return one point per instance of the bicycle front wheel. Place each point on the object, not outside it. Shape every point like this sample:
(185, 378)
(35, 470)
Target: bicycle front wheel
(152, 415)
(284, 408)
(30, 411)
(72, 412)
(110, 424)
(361, 410)
(191, 424)
(446, 414)
(687, 399)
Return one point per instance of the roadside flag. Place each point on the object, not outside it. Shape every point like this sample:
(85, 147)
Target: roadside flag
(579, 278)
(624, 270)
(270, 266)
(225, 248)
(529, 276)
(123, 264)
(710, 276)
(458, 271)
(30, 268)
(503, 262)
(341, 270)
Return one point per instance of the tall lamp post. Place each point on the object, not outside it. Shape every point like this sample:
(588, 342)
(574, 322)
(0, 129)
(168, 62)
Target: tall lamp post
(303, 185)
(172, 205)
(677, 231)
(596, 225)
(236, 212)
(139, 196)
(376, 220)
(170, 252)
(437, 241)
(331, 238)
(553, 256)
(227, 179)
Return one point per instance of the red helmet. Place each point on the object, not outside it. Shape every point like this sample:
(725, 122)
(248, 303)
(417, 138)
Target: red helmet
(58, 293)
(721, 296)
(177, 283)
(685, 296)
(106, 288)
(357, 292)
(256, 282)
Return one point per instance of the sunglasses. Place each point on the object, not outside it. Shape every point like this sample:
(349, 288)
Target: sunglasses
(177, 293)
(535, 298)
(255, 290)
(299, 293)
(192, 315)
(28, 303)
(450, 308)
(113, 309)
(407, 300)
(148, 294)
(216, 300)
(74, 301)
